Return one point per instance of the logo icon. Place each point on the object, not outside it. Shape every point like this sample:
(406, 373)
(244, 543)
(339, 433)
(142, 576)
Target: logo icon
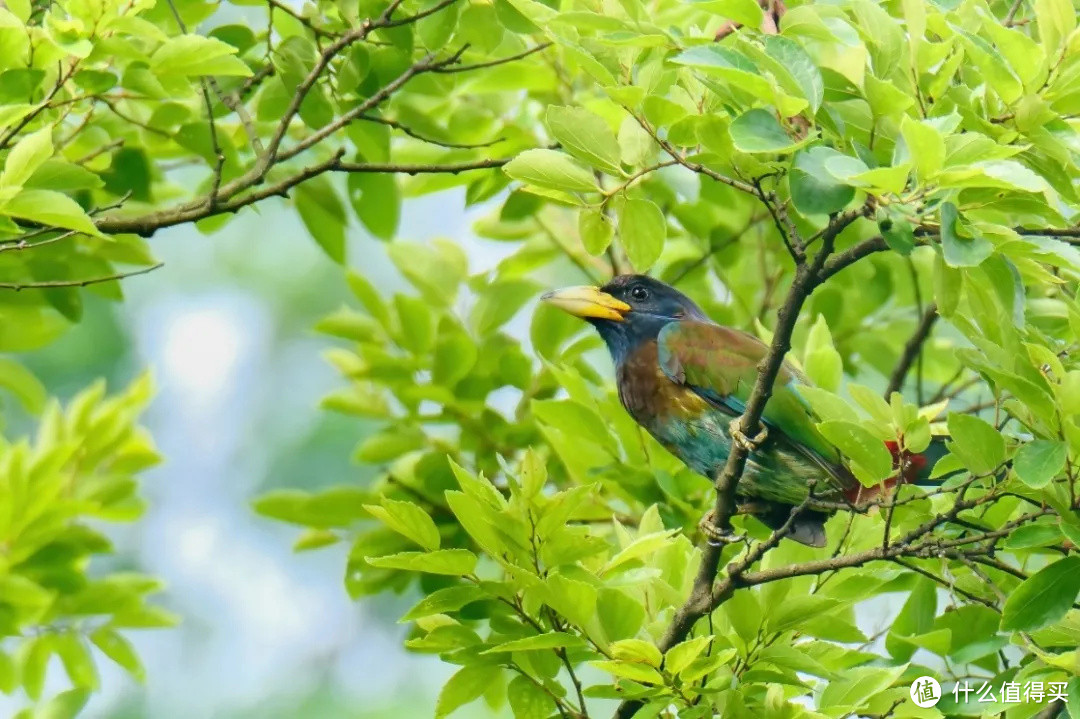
(925, 692)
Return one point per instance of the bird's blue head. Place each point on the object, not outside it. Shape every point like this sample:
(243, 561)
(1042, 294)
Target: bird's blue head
(629, 310)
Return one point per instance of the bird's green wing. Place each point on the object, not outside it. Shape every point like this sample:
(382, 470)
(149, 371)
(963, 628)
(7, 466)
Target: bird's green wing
(720, 364)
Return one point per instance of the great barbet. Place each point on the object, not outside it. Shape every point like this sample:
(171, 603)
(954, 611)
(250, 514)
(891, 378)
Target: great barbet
(685, 378)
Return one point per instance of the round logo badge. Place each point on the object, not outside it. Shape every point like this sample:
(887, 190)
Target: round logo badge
(925, 692)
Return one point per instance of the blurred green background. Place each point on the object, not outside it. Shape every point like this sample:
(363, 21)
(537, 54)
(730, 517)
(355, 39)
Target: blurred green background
(226, 329)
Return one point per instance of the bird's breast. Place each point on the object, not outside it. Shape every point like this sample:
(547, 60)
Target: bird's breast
(650, 396)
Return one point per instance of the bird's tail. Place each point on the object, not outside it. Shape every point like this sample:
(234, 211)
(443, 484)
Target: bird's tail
(914, 469)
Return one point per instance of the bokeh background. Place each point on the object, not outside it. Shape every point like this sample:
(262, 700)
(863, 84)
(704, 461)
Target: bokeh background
(226, 329)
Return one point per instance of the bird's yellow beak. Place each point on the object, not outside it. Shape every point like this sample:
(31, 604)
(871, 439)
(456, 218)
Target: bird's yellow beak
(587, 302)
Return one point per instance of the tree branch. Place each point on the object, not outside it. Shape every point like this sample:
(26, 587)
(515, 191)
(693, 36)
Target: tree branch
(150, 223)
(19, 286)
(912, 349)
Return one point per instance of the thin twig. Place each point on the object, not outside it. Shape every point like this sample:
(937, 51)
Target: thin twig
(19, 286)
(912, 350)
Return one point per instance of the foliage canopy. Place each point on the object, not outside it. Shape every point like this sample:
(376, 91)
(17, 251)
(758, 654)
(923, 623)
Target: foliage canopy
(834, 177)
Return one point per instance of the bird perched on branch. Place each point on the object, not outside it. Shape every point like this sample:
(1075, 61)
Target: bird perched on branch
(686, 380)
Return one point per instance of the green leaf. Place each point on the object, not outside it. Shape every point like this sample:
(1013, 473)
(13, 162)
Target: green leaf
(22, 383)
(436, 267)
(636, 146)
(188, 55)
(822, 362)
(630, 670)
(1056, 19)
(447, 599)
(49, 208)
(323, 215)
(77, 661)
(334, 507)
(620, 616)
(466, 685)
(26, 157)
(443, 561)
(925, 146)
(679, 656)
(551, 640)
(744, 12)
(376, 199)
(407, 519)
(1039, 461)
(455, 354)
(65, 705)
(116, 647)
(573, 599)
(586, 136)
(813, 190)
(1073, 702)
(758, 130)
(856, 688)
(978, 444)
(795, 60)
(641, 547)
(527, 700)
(897, 231)
(871, 459)
(642, 229)
(1044, 597)
(551, 169)
(961, 250)
(595, 230)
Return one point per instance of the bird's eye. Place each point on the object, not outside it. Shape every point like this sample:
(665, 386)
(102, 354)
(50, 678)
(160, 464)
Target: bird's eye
(639, 293)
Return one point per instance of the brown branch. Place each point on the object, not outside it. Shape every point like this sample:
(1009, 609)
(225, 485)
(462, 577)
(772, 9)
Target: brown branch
(1011, 16)
(321, 63)
(416, 135)
(18, 286)
(148, 224)
(912, 349)
(692, 166)
(715, 248)
(306, 22)
(493, 63)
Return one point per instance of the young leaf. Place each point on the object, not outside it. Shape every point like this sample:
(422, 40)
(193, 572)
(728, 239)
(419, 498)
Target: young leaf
(377, 202)
(26, 157)
(442, 561)
(409, 520)
(197, 55)
(551, 640)
(1044, 597)
(466, 685)
(1039, 461)
(586, 136)
(642, 228)
(551, 169)
(323, 215)
(527, 700)
(967, 250)
(980, 447)
(49, 208)
(863, 448)
(813, 190)
(595, 230)
(758, 130)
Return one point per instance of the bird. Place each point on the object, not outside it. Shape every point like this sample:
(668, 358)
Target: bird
(686, 379)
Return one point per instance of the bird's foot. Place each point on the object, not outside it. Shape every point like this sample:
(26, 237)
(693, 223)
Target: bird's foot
(719, 537)
(750, 444)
